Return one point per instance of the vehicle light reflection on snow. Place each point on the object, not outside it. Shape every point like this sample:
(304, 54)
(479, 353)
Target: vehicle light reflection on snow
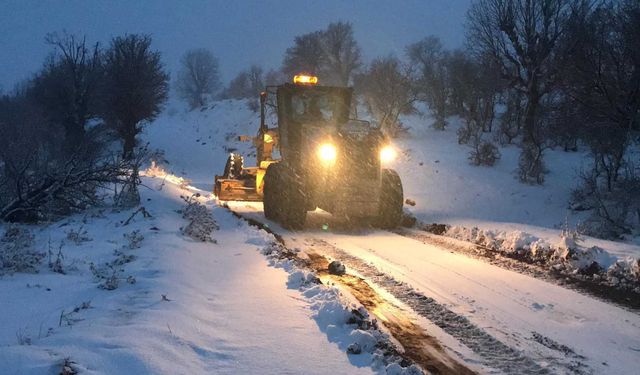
(156, 171)
(418, 345)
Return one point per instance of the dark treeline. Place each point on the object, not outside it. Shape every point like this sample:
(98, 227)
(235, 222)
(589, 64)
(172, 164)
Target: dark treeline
(332, 53)
(567, 74)
(57, 128)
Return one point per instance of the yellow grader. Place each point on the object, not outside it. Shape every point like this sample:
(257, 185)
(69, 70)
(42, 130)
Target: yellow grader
(326, 160)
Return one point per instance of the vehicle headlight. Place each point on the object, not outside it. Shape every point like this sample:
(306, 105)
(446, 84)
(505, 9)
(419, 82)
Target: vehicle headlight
(327, 152)
(387, 154)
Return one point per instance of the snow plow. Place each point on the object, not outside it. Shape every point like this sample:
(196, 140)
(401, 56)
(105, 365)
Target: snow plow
(326, 160)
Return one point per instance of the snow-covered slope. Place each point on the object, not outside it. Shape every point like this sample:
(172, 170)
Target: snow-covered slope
(447, 189)
(195, 143)
(180, 306)
(434, 169)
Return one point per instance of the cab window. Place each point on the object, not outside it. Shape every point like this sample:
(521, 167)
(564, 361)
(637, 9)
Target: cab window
(312, 107)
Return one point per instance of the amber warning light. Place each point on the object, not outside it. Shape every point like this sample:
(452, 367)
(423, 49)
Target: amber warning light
(305, 79)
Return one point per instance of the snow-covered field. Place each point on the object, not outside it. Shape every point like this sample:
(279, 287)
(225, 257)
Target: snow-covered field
(181, 306)
(185, 306)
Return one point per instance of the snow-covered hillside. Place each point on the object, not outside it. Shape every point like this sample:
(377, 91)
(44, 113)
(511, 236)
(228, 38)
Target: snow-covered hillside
(143, 299)
(434, 169)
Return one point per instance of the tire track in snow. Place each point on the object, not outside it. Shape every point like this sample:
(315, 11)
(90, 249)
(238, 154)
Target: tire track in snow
(493, 352)
(419, 347)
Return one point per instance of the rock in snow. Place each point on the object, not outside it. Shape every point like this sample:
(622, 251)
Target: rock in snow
(337, 268)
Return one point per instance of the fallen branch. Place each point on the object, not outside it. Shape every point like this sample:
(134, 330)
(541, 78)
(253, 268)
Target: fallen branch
(144, 212)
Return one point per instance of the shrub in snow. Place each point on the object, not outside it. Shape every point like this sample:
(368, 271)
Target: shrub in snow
(56, 265)
(615, 203)
(484, 153)
(78, 236)
(122, 258)
(133, 239)
(200, 224)
(531, 168)
(49, 189)
(69, 318)
(17, 253)
(111, 282)
(464, 134)
(511, 119)
(68, 367)
(109, 275)
(128, 196)
(23, 337)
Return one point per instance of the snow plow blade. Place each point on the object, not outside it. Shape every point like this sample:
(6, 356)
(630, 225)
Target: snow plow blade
(231, 189)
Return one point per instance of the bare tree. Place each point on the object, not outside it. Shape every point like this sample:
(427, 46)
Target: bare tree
(333, 54)
(38, 183)
(460, 69)
(601, 76)
(274, 77)
(387, 92)
(247, 84)
(432, 76)
(477, 89)
(341, 53)
(256, 79)
(511, 118)
(601, 86)
(67, 88)
(521, 36)
(474, 88)
(306, 55)
(198, 78)
(135, 88)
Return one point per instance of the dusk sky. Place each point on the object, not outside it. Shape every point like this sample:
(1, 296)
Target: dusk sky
(239, 33)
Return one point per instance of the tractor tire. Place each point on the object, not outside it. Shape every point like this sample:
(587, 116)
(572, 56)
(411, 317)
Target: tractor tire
(284, 201)
(272, 185)
(294, 205)
(391, 200)
(234, 165)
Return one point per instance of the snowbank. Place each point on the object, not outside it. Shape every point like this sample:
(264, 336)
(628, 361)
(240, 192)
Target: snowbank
(567, 255)
(341, 317)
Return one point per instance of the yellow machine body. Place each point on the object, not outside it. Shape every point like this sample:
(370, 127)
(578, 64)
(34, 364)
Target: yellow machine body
(246, 184)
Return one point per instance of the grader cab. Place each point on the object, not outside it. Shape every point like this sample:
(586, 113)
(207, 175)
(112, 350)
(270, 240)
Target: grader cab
(327, 160)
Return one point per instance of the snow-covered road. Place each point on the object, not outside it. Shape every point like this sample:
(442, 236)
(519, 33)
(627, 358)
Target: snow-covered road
(556, 328)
